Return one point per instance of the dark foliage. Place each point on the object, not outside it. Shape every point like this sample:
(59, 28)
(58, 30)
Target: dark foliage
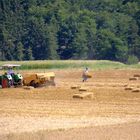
(69, 29)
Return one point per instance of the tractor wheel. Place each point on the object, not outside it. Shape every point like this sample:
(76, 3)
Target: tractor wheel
(36, 85)
(32, 83)
(10, 83)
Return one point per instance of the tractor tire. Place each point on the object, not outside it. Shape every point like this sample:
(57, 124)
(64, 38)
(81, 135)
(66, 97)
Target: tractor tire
(36, 85)
(33, 84)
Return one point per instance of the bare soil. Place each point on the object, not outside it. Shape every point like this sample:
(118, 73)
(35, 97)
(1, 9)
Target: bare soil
(50, 112)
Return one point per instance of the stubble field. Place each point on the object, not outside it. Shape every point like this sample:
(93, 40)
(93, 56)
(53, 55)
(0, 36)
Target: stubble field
(52, 112)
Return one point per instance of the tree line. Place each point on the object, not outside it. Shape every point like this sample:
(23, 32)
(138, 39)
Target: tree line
(70, 29)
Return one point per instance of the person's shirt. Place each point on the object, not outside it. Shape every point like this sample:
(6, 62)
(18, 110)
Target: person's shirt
(85, 72)
(10, 72)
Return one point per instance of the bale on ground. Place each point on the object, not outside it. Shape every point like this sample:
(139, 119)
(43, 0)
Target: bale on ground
(125, 85)
(28, 87)
(133, 78)
(83, 89)
(136, 90)
(75, 87)
(128, 88)
(136, 75)
(84, 95)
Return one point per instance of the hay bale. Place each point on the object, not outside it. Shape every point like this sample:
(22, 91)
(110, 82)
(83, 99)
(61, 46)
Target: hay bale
(136, 75)
(75, 87)
(83, 89)
(126, 85)
(83, 95)
(28, 87)
(89, 75)
(133, 78)
(128, 88)
(136, 90)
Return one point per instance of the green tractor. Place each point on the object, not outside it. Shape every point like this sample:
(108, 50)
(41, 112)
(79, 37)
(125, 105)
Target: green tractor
(10, 78)
(17, 79)
(6, 80)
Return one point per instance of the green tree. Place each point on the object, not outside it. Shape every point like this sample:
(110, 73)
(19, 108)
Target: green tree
(19, 55)
(28, 54)
(69, 29)
(52, 44)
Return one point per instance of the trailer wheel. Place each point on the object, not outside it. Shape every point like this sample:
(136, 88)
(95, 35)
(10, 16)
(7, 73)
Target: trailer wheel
(32, 83)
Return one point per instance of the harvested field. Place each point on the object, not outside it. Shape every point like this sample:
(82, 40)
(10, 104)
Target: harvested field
(45, 113)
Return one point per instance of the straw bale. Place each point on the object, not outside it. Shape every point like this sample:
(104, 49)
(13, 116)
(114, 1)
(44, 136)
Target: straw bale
(47, 74)
(125, 85)
(75, 87)
(133, 78)
(83, 95)
(136, 90)
(128, 88)
(28, 87)
(89, 75)
(136, 75)
(83, 89)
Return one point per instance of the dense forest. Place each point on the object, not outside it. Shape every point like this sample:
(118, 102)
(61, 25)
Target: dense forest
(70, 29)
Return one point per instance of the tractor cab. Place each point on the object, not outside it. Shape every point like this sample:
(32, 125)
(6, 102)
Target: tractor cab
(10, 78)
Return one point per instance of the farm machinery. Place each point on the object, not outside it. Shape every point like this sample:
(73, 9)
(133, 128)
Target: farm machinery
(39, 79)
(10, 78)
(5, 80)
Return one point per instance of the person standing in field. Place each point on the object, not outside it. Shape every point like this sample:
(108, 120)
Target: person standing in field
(85, 74)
